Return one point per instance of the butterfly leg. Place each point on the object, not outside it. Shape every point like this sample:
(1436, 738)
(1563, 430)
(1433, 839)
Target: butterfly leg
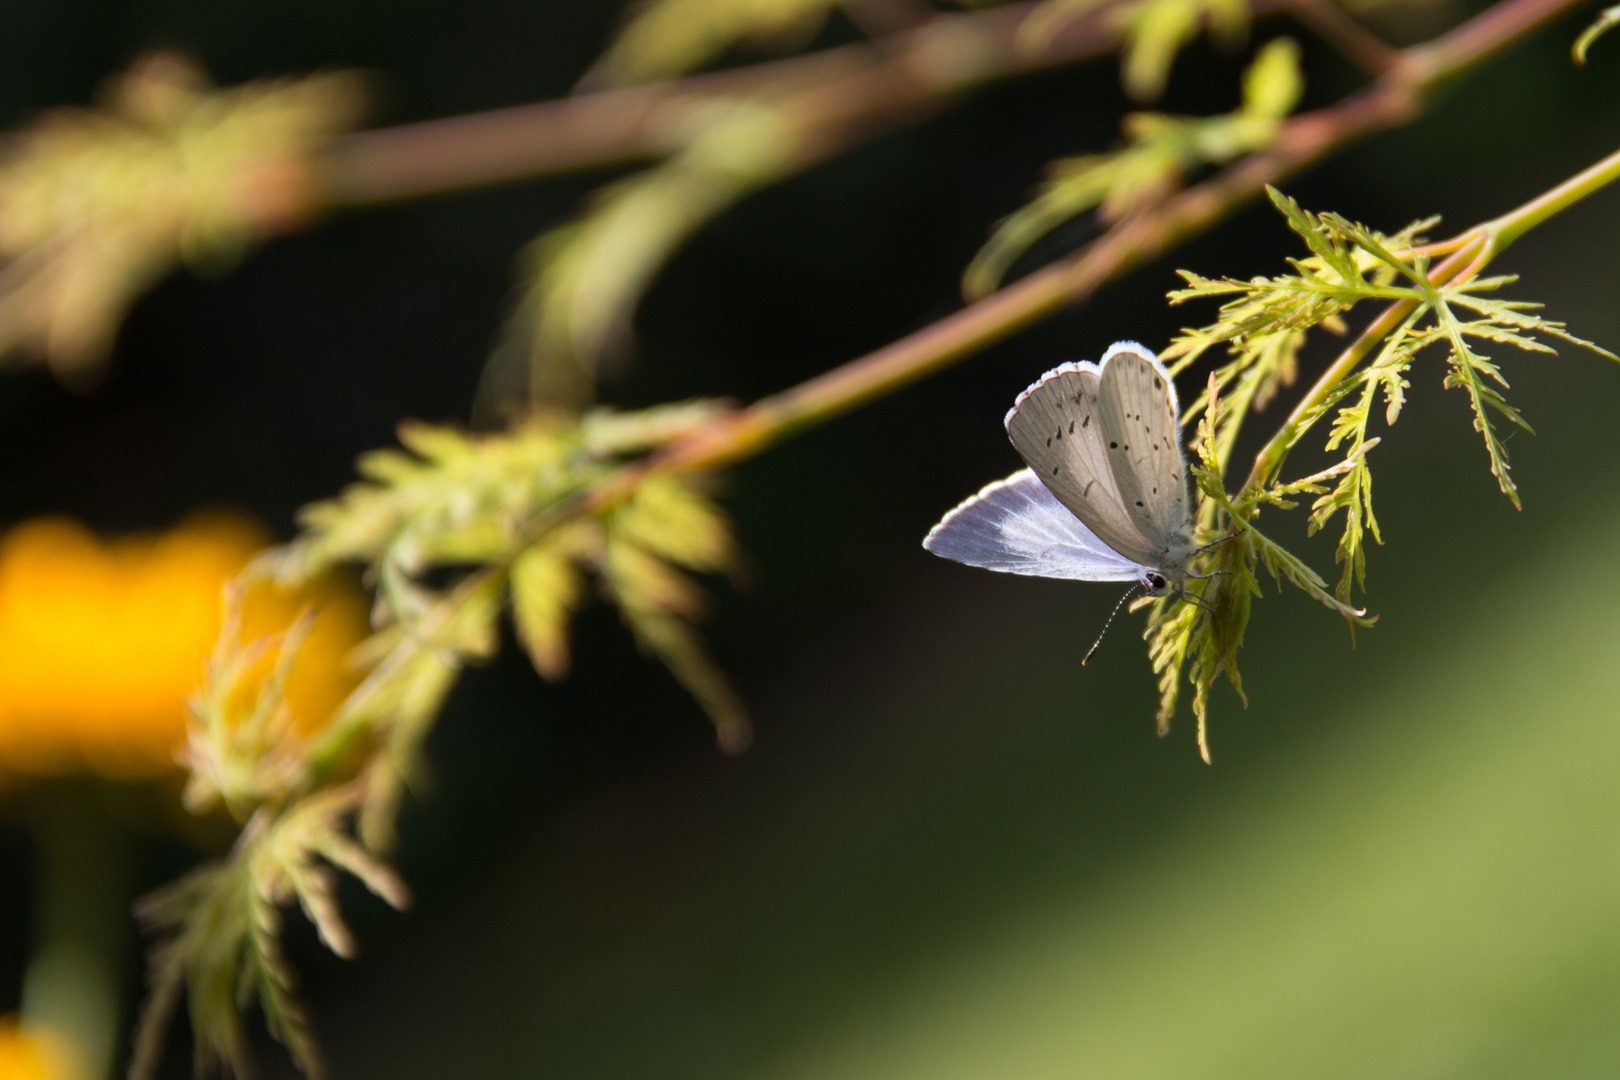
(1213, 543)
(1196, 601)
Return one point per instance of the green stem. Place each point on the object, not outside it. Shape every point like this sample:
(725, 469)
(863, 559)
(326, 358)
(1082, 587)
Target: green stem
(1515, 223)
(72, 983)
(1470, 252)
(1271, 456)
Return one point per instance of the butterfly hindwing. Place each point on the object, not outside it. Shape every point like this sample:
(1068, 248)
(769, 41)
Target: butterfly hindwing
(1056, 426)
(1017, 526)
(1137, 410)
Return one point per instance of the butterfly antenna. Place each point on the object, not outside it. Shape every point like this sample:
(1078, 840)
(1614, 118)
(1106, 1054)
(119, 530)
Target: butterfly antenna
(1109, 623)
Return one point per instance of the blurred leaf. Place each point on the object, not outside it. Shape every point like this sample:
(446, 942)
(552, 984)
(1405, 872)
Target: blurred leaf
(646, 540)
(585, 279)
(97, 205)
(1160, 149)
(241, 752)
(495, 510)
(1273, 84)
(1154, 32)
(546, 590)
(666, 38)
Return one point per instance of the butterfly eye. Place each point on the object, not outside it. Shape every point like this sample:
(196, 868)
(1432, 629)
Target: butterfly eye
(1156, 583)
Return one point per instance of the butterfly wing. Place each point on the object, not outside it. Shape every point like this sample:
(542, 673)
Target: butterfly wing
(1017, 526)
(1056, 426)
(1137, 407)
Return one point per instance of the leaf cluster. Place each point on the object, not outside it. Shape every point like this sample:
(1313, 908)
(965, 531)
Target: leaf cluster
(97, 204)
(1160, 150)
(1200, 631)
(450, 529)
(220, 932)
(1262, 325)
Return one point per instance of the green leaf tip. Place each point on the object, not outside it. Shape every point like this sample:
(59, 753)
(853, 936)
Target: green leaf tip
(1601, 25)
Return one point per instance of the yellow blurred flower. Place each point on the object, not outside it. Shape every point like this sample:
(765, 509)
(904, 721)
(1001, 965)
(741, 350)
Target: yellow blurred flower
(100, 642)
(35, 1054)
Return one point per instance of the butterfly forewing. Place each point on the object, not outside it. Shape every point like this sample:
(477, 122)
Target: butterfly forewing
(1017, 526)
(1136, 407)
(1056, 426)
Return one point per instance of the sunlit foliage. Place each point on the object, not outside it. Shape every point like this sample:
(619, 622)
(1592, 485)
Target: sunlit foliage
(1261, 327)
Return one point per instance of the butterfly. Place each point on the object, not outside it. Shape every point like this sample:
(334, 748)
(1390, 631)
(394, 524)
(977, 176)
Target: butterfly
(1105, 496)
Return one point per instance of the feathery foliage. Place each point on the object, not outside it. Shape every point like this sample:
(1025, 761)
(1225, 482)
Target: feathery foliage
(455, 527)
(505, 516)
(1262, 325)
(1160, 150)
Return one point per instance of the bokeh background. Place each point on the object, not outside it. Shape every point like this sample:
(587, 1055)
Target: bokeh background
(951, 852)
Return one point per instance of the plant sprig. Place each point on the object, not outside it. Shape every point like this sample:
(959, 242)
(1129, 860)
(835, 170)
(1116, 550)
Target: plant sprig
(1262, 325)
(1159, 151)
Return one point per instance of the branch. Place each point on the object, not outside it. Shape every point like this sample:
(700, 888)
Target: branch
(837, 95)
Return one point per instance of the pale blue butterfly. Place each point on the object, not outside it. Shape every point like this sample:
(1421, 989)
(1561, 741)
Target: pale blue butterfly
(1105, 497)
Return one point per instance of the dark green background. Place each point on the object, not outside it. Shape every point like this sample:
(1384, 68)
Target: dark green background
(952, 852)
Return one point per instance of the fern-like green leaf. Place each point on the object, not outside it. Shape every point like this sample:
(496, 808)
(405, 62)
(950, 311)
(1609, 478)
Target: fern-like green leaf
(1159, 150)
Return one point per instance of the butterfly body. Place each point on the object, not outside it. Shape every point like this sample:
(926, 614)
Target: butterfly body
(1105, 496)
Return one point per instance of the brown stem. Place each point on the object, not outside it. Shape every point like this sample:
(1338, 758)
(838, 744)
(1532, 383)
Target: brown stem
(1353, 41)
(1486, 33)
(836, 96)
(874, 84)
(1134, 241)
